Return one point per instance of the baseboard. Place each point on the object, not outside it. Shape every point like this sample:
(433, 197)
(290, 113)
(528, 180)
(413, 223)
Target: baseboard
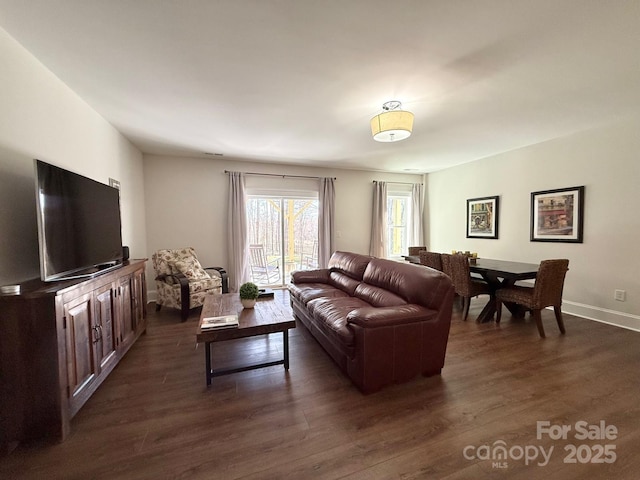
(603, 315)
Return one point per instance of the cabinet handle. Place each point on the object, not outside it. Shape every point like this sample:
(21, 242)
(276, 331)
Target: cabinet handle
(97, 333)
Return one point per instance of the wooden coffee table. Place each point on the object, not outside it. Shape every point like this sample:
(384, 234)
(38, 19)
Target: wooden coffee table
(270, 315)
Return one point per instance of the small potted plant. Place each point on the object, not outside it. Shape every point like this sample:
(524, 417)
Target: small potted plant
(248, 294)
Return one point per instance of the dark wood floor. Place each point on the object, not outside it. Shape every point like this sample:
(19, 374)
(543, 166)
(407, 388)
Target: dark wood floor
(153, 418)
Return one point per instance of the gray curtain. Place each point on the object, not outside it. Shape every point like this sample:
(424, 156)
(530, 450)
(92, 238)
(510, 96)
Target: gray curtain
(417, 210)
(326, 218)
(237, 238)
(379, 220)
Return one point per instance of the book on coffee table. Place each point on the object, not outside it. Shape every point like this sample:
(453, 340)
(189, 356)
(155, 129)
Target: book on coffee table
(224, 321)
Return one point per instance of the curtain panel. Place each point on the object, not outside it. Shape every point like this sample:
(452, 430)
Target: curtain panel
(326, 220)
(237, 237)
(417, 212)
(379, 220)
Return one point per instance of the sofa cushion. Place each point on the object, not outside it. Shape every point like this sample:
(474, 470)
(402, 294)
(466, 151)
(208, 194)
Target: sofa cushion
(310, 276)
(407, 281)
(308, 291)
(331, 314)
(351, 264)
(378, 297)
(344, 282)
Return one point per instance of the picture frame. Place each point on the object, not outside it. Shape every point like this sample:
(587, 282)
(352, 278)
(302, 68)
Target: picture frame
(558, 215)
(482, 217)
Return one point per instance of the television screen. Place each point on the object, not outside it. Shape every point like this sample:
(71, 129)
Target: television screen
(79, 226)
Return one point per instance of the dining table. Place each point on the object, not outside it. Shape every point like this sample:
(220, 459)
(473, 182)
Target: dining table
(412, 258)
(498, 274)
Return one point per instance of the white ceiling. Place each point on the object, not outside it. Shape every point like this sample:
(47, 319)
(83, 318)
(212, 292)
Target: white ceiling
(297, 81)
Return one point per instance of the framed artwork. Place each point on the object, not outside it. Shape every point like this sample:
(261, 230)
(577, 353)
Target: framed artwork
(482, 217)
(557, 215)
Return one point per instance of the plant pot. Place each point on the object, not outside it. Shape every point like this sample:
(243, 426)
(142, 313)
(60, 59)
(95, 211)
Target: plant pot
(248, 302)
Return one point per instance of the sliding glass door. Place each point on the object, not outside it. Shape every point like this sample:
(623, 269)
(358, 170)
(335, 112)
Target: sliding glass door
(283, 237)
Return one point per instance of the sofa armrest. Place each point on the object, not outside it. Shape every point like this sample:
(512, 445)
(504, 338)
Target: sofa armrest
(394, 344)
(310, 276)
(373, 317)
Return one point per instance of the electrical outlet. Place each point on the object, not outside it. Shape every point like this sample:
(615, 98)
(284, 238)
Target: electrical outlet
(620, 295)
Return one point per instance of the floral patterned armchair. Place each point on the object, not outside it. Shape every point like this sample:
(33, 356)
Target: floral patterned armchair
(182, 282)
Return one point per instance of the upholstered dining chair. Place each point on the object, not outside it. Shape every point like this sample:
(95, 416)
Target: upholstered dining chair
(431, 259)
(465, 286)
(415, 251)
(445, 259)
(546, 292)
(182, 282)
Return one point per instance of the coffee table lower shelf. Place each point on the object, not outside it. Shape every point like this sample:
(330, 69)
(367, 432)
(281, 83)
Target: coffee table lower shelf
(211, 373)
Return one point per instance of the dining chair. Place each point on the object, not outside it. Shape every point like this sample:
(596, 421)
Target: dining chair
(415, 251)
(465, 285)
(546, 292)
(445, 259)
(431, 259)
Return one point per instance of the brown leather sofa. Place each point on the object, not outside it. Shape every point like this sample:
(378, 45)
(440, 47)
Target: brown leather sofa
(383, 322)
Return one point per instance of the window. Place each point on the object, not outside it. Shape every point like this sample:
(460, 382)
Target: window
(283, 236)
(398, 223)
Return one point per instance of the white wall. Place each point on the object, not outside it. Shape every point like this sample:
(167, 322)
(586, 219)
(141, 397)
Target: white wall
(40, 117)
(607, 162)
(186, 201)
(185, 198)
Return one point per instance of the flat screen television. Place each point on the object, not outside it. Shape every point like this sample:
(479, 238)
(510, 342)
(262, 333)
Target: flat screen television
(79, 225)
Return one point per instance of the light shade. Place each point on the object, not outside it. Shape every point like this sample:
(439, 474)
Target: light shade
(392, 125)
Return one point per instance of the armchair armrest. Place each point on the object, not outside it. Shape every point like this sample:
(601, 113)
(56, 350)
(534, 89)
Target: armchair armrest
(184, 290)
(372, 317)
(310, 276)
(162, 278)
(171, 278)
(223, 275)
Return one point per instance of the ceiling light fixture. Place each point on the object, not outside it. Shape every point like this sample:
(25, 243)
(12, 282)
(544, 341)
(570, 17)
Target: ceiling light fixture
(393, 124)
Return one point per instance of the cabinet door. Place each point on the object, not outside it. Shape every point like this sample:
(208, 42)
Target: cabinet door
(81, 336)
(139, 301)
(106, 341)
(125, 311)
